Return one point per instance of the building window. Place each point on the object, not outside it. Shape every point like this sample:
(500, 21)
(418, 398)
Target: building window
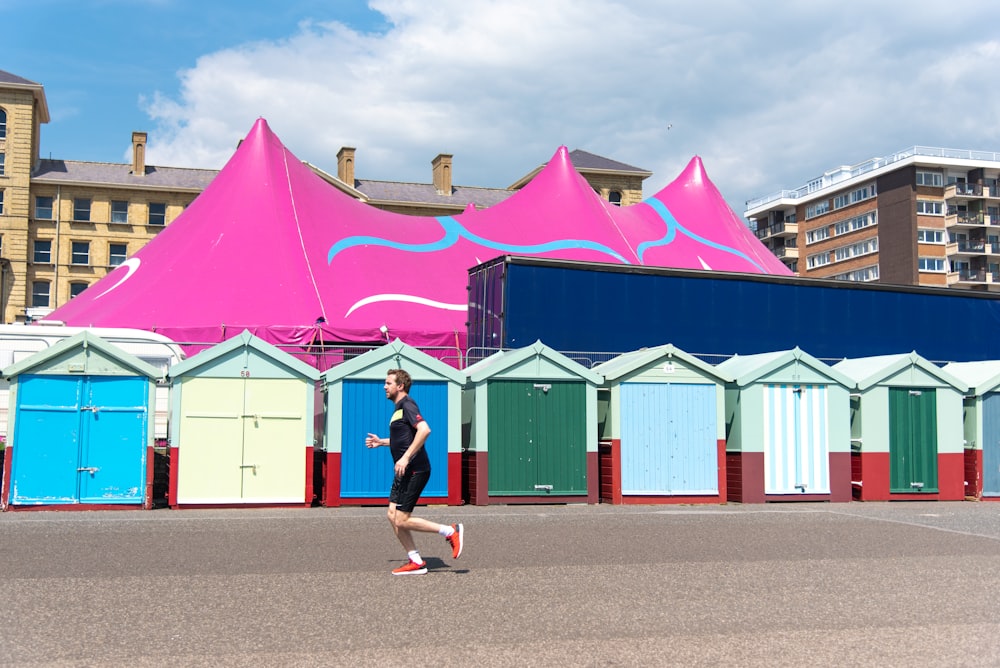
(615, 197)
(43, 208)
(157, 213)
(117, 254)
(42, 251)
(81, 209)
(1, 202)
(40, 294)
(3, 124)
(3, 162)
(930, 236)
(934, 179)
(855, 196)
(119, 211)
(930, 207)
(865, 247)
(76, 288)
(855, 223)
(863, 275)
(935, 264)
(81, 253)
(817, 209)
(817, 260)
(820, 233)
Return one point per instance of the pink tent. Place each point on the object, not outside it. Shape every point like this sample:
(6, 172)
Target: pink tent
(270, 247)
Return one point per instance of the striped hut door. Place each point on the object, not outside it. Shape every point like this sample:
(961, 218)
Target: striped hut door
(796, 443)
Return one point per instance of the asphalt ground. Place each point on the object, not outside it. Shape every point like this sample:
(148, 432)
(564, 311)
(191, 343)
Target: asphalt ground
(856, 584)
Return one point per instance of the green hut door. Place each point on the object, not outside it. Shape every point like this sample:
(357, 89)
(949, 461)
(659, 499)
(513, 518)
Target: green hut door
(912, 440)
(537, 437)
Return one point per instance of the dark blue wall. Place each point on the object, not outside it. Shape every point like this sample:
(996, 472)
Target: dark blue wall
(610, 308)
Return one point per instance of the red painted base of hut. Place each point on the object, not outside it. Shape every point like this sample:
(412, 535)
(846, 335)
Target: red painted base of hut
(476, 484)
(609, 465)
(871, 479)
(5, 478)
(329, 495)
(974, 474)
(175, 457)
(745, 480)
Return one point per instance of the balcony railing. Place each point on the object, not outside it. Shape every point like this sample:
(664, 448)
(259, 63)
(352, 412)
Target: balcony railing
(970, 219)
(785, 228)
(964, 189)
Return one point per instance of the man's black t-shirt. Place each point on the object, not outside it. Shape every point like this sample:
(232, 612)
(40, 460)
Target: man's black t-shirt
(402, 429)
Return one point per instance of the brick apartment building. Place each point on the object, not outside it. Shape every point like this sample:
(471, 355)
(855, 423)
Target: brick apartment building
(921, 216)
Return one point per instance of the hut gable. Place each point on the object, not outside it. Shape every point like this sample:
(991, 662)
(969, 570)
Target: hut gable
(903, 370)
(85, 354)
(787, 366)
(373, 365)
(531, 362)
(662, 364)
(981, 377)
(227, 358)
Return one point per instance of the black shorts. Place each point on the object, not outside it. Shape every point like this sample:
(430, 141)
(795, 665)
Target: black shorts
(407, 489)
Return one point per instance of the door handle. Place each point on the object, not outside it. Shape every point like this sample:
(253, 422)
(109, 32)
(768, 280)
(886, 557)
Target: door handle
(89, 469)
(249, 466)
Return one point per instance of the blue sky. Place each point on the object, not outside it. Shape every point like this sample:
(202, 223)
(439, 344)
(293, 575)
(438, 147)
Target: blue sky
(769, 95)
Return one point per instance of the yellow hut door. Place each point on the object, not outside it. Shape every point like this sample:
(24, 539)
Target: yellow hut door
(274, 439)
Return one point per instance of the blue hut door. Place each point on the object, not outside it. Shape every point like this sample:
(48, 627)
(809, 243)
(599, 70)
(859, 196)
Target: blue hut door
(796, 445)
(668, 443)
(80, 440)
(991, 444)
(365, 473)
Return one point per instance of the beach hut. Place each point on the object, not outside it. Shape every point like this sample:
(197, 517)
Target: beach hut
(661, 416)
(242, 415)
(356, 406)
(981, 426)
(530, 416)
(906, 429)
(81, 435)
(787, 428)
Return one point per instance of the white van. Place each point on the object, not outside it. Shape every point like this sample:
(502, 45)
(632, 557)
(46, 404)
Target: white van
(20, 341)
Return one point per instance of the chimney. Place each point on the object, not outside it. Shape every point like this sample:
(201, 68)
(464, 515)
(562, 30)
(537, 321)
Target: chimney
(441, 170)
(139, 153)
(345, 165)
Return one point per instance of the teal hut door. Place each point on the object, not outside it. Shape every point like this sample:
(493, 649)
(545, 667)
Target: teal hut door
(537, 437)
(991, 444)
(80, 440)
(912, 440)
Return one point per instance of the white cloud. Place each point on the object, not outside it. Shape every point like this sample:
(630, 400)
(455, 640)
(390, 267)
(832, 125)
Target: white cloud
(769, 97)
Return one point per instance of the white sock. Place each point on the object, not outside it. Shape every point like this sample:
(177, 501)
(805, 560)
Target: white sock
(446, 530)
(415, 557)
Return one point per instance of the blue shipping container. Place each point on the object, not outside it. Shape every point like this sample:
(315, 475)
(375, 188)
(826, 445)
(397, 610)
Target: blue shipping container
(596, 307)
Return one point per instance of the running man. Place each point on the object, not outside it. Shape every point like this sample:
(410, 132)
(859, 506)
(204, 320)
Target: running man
(408, 431)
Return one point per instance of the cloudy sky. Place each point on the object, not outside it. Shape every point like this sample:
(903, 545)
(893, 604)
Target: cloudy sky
(768, 94)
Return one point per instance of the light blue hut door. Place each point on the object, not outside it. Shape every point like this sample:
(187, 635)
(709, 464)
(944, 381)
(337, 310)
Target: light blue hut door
(796, 444)
(367, 473)
(991, 444)
(80, 440)
(669, 441)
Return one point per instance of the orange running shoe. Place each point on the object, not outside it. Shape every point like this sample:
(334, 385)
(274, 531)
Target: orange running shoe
(411, 568)
(457, 540)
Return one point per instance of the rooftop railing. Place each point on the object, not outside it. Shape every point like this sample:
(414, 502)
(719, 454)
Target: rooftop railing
(839, 176)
